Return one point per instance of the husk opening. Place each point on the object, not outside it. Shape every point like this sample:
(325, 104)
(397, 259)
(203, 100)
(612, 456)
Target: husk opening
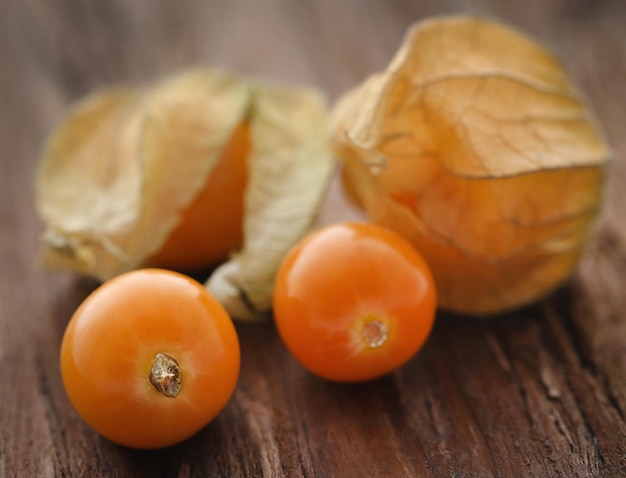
(116, 173)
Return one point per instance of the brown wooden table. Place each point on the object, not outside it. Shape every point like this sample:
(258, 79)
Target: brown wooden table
(541, 392)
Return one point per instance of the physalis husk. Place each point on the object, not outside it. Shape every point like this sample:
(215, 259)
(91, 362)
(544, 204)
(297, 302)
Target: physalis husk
(475, 146)
(192, 170)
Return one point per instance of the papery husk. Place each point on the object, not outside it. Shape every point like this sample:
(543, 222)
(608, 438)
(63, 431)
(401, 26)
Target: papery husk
(118, 169)
(125, 162)
(475, 145)
(290, 165)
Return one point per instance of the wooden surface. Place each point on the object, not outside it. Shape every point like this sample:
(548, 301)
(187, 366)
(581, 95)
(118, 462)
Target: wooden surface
(541, 392)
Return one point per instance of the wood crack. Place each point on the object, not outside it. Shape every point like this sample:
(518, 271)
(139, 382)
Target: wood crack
(581, 348)
(611, 397)
(57, 430)
(483, 435)
(396, 412)
(589, 392)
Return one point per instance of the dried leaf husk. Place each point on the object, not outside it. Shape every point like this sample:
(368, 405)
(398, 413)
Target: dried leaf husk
(290, 166)
(475, 145)
(119, 170)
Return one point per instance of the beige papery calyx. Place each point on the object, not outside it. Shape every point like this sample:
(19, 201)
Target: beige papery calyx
(475, 145)
(122, 170)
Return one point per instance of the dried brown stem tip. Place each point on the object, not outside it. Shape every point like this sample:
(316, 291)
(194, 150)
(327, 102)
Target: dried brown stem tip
(374, 333)
(165, 375)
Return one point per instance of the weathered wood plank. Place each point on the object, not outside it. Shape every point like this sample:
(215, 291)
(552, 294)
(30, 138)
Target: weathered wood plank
(541, 392)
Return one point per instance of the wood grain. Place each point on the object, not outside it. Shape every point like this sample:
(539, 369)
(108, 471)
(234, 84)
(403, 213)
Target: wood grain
(537, 393)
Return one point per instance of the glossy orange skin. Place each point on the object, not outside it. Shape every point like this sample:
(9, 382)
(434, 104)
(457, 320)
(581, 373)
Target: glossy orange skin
(110, 344)
(211, 227)
(341, 278)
